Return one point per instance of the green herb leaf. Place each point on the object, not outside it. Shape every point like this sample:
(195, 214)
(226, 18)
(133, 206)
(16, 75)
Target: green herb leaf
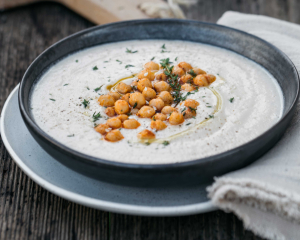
(76, 60)
(152, 58)
(134, 106)
(192, 73)
(96, 116)
(193, 109)
(95, 68)
(188, 124)
(66, 84)
(130, 51)
(163, 46)
(211, 116)
(128, 66)
(85, 103)
(176, 58)
(87, 88)
(166, 143)
(119, 61)
(52, 99)
(231, 99)
(147, 143)
(98, 88)
(71, 135)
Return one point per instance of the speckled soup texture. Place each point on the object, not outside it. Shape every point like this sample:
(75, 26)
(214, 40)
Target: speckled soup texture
(241, 104)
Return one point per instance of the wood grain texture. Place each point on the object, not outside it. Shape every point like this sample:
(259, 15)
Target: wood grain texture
(27, 211)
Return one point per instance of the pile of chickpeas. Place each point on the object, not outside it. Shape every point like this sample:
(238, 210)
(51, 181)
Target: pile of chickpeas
(149, 96)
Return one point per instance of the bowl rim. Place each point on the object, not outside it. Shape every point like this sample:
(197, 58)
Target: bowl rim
(111, 163)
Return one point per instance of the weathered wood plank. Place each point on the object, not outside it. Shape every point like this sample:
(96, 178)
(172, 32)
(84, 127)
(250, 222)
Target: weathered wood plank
(27, 211)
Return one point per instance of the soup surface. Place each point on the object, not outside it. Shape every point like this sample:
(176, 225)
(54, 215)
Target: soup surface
(241, 103)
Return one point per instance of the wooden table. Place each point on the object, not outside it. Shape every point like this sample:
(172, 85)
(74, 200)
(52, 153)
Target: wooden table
(27, 211)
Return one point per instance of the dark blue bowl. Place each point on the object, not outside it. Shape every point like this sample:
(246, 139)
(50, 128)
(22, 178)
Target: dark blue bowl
(186, 173)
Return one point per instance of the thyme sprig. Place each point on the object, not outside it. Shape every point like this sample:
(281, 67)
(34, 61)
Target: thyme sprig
(96, 116)
(85, 103)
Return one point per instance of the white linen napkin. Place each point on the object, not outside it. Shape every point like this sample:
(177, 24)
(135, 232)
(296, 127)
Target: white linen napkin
(266, 194)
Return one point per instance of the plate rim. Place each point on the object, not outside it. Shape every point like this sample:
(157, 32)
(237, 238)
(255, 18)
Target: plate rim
(93, 202)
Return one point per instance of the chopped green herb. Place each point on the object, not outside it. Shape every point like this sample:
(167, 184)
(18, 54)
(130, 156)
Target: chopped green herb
(66, 84)
(211, 116)
(98, 88)
(152, 58)
(203, 96)
(163, 46)
(52, 99)
(147, 143)
(188, 124)
(176, 58)
(183, 110)
(166, 143)
(208, 106)
(106, 61)
(119, 61)
(87, 88)
(96, 116)
(193, 109)
(192, 73)
(85, 103)
(134, 106)
(71, 135)
(76, 60)
(231, 99)
(128, 66)
(130, 51)
(95, 68)
(164, 51)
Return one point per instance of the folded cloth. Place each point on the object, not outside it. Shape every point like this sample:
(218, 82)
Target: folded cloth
(266, 194)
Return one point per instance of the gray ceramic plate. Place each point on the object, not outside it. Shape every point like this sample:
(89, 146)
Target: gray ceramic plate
(68, 184)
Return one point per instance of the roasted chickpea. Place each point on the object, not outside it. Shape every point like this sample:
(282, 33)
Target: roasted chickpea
(146, 112)
(114, 122)
(134, 111)
(185, 66)
(151, 66)
(187, 87)
(199, 71)
(176, 118)
(131, 124)
(186, 78)
(190, 103)
(123, 88)
(178, 71)
(157, 104)
(121, 107)
(166, 97)
(122, 117)
(146, 134)
(161, 86)
(114, 136)
(160, 116)
(189, 113)
(115, 95)
(211, 78)
(161, 77)
(149, 93)
(146, 74)
(102, 128)
(158, 125)
(201, 80)
(106, 101)
(137, 100)
(134, 83)
(110, 111)
(126, 97)
(145, 82)
(167, 110)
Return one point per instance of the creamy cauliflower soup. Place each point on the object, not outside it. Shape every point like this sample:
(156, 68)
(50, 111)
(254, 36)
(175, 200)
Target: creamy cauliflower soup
(155, 101)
